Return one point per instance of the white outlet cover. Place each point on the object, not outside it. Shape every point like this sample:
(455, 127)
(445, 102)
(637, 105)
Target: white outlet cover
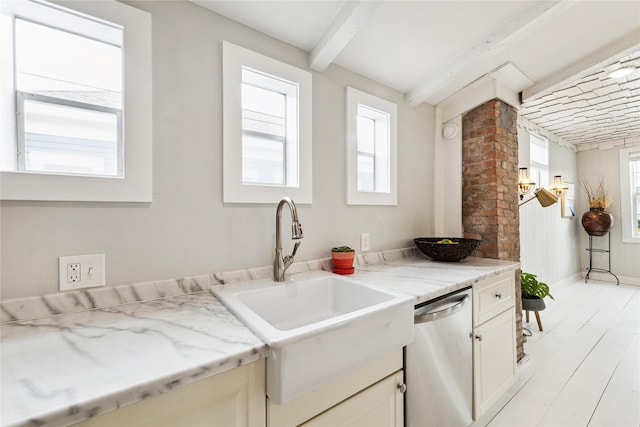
(92, 271)
(365, 242)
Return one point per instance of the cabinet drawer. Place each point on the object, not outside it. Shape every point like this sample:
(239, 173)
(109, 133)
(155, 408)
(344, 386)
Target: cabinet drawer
(492, 296)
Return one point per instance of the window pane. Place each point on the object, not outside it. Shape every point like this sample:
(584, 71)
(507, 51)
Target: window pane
(263, 111)
(538, 151)
(262, 160)
(64, 139)
(56, 63)
(373, 149)
(366, 135)
(366, 173)
(538, 154)
(540, 176)
(635, 183)
(264, 114)
(638, 214)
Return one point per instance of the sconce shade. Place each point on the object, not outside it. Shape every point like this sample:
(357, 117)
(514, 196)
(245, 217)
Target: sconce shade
(525, 185)
(544, 197)
(559, 187)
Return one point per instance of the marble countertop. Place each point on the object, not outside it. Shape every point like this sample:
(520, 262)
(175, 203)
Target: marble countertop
(64, 368)
(425, 280)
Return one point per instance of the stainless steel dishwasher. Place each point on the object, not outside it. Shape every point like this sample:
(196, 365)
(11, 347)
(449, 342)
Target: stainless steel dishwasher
(438, 363)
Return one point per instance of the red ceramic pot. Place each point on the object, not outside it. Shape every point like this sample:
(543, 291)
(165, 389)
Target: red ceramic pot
(343, 260)
(344, 270)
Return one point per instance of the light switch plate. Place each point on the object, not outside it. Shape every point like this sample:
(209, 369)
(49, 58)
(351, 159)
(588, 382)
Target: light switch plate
(81, 271)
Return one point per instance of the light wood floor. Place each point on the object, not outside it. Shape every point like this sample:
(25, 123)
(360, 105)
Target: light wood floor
(584, 368)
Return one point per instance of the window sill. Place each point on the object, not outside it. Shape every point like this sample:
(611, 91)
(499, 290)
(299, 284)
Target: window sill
(66, 188)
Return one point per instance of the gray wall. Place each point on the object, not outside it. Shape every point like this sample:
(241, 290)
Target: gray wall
(549, 244)
(554, 247)
(625, 257)
(187, 230)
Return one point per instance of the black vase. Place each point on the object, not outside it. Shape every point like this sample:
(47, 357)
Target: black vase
(597, 221)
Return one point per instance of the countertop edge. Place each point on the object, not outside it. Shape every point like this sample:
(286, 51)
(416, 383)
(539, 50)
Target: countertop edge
(143, 391)
(479, 269)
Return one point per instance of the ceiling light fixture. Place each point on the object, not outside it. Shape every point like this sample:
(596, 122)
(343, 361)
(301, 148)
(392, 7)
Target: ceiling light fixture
(621, 72)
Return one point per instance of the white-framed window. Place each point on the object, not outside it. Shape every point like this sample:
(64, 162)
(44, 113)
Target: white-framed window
(72, 77)
(371, 149)
(630, 194)
(373, 145)
(539, 160)
(267, 129)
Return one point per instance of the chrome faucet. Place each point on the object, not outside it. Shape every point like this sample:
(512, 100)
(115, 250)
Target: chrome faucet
(280, 263)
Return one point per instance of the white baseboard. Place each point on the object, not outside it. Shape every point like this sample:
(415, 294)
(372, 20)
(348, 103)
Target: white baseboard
(568, 280)
(606, 277)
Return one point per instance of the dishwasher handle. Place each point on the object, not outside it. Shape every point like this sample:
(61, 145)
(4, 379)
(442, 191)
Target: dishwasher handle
(430, 316)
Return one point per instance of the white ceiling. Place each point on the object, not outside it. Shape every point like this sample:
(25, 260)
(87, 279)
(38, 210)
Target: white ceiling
(592, 109)
(429, 50)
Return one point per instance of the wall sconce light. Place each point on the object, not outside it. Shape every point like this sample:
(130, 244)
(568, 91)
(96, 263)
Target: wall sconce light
(559, 187)
(545, 197)
(525, 185)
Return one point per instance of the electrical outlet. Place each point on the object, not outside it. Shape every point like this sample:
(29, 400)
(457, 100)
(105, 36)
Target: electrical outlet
(73, 272)
(81, 271)
(365, 242)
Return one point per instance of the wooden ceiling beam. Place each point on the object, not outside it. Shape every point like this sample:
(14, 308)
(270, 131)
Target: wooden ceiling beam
(502, 36)
(353, 15)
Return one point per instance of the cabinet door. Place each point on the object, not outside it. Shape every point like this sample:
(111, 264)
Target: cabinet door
(233, 398)
(379, 405)
(494, 360)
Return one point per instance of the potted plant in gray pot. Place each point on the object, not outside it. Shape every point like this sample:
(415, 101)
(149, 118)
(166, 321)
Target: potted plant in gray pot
(533, 294)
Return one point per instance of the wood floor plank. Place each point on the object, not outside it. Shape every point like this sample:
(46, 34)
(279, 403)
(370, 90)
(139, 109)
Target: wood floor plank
(583, 369)
(574, 405)
(551, 375)
(579, 304)
(619, 404)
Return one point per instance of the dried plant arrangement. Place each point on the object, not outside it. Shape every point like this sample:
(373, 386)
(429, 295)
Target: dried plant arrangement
(597, 196)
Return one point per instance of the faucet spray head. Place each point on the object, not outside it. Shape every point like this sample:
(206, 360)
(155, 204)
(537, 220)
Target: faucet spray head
(296, 230)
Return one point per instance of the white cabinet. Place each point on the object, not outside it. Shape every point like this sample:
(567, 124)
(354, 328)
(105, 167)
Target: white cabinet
(494, 343)
(377, 406)
(493, 360)
(371, 395)
(233, 398)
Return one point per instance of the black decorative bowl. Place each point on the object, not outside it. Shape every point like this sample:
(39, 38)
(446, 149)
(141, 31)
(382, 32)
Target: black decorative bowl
(449, 252)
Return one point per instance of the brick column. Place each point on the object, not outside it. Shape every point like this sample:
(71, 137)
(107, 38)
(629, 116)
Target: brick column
(489, 187)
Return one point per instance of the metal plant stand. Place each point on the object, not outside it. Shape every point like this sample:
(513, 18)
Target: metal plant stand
(591, 250)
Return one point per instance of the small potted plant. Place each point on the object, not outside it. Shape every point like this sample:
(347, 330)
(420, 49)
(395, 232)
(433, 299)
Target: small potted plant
(342, 259)
(533, 292)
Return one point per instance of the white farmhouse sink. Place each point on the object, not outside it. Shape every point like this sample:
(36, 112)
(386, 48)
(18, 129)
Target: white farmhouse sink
(318, 326)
